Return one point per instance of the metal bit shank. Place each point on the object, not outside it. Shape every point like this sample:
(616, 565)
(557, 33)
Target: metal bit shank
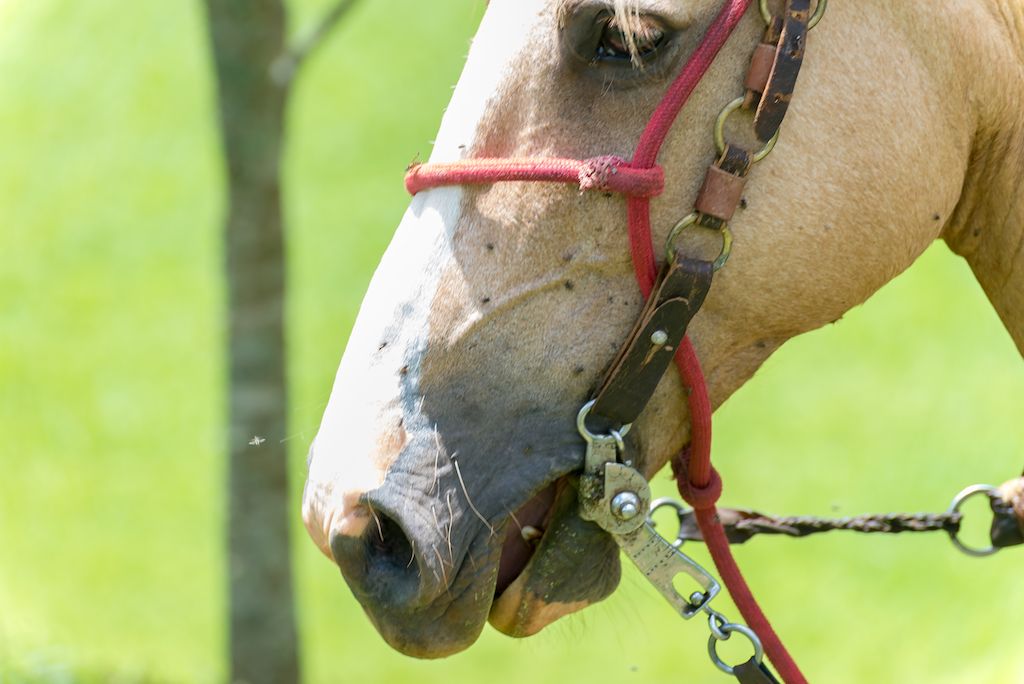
(655, 557)
(661, 562)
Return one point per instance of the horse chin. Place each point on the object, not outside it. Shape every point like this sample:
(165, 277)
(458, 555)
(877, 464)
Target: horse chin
(573, 565)
(520, 613)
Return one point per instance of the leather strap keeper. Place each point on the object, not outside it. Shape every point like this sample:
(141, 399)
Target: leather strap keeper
(639, 366)
(720, 194)
(760, 68)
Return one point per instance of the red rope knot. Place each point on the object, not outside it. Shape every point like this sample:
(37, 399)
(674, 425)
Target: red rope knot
(596, 173)
(701, 498)
(609, 173)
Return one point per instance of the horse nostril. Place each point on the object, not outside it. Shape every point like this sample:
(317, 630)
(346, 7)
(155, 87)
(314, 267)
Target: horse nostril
(381, 564)
(389, 543)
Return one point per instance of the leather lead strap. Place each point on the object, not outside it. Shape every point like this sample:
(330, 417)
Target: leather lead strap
(789, 57)
(634, 374)
(1008, 515)
(751, 672)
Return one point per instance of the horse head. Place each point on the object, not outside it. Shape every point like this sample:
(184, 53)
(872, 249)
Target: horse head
(440, 481)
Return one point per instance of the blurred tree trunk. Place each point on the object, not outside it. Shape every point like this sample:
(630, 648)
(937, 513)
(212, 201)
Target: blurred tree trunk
(248, 36)
(255, 70)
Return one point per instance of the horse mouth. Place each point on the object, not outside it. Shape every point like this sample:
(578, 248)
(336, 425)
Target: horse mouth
(523, 535)
(553, 563)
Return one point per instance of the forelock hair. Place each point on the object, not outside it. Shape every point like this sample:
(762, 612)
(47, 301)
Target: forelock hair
(627, 18)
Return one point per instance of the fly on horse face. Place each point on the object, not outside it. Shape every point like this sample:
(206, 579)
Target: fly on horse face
(445, 481)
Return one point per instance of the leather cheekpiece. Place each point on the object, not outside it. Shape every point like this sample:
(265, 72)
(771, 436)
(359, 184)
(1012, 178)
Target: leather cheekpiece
(789, 57)
(640, 364)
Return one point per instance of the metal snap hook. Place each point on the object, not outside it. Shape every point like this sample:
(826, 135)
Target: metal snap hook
(958, 501)
(618, 435)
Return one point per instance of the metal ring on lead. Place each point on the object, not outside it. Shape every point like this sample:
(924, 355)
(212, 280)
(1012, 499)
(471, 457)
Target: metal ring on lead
(958, 501)
(729, 628)
(819, 12)
(581, 425)
(720, 132)
(692, 220)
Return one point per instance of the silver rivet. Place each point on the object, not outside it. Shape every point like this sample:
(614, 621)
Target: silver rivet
(659, 338)
(626, 506)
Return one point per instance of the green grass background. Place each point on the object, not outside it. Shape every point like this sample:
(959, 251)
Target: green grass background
(111, 385)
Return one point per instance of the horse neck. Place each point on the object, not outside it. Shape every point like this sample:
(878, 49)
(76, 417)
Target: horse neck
(988, 226)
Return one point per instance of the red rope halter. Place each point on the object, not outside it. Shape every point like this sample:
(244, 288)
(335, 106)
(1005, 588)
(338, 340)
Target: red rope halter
(639, 180)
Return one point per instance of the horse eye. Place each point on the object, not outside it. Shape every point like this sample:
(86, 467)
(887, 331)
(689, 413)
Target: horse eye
(637, 42)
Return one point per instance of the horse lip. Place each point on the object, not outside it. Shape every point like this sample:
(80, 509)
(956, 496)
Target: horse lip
(575, 565)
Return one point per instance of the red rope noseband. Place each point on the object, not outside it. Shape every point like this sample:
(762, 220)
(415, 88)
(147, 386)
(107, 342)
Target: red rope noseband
(639, 180)
(604, 174)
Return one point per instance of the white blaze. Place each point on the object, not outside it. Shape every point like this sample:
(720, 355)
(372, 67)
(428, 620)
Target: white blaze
(365, 401)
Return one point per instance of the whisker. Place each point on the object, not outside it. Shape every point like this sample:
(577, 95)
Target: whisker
(373, 513)
(451, 524)
(412, 556)
(444, 573)
(458, 471)
(437, 523)
(437, 457)
(515, 519)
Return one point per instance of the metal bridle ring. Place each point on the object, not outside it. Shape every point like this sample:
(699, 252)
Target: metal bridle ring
(720, 132)
(693, 220)
(819, 12)
(617, 435)
(729, 628)
(958, 501)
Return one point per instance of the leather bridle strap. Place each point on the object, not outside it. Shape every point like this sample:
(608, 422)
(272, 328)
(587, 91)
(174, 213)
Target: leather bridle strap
(681, 289)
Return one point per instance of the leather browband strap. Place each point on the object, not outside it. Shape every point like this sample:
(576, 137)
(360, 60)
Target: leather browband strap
(634, 374)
